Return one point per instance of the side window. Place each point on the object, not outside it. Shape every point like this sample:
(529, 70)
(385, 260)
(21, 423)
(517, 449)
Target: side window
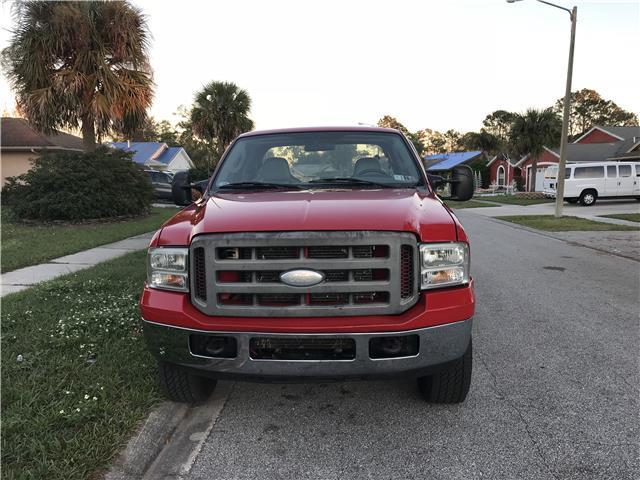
(625, 170)
(637, 170)
(588, 172)
(567, 173)
(611, 171)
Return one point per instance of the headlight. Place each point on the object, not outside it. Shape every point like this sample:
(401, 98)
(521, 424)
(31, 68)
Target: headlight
(443, 264)
(168, 268)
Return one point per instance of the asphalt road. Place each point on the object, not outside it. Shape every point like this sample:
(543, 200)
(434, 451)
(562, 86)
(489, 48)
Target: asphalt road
(554, 393)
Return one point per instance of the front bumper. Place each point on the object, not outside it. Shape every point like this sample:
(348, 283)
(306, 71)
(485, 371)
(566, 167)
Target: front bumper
(438, 345)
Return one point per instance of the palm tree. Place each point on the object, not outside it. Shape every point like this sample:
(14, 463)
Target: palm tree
(531, 132)
(80, 65)
(221, 113)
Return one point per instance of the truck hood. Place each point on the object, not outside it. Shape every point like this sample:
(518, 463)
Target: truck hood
(405, 210)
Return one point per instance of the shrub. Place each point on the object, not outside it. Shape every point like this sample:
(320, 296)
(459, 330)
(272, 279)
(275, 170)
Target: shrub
(198, 174)
(74, 187)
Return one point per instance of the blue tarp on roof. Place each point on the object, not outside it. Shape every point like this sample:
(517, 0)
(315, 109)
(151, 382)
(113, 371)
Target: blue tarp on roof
(168, 155)
(142, 150)
(450, 160)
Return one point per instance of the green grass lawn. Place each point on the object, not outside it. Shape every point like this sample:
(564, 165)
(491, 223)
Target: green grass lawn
(85, 380)
(564, 224)
(30, 244)
(632, 217)
(515, 200)
(468, 204)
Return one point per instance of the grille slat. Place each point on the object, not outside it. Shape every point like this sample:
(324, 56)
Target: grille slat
(200, 274)
(365, 273)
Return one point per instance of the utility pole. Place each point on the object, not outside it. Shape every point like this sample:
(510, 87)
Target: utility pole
(566, 108)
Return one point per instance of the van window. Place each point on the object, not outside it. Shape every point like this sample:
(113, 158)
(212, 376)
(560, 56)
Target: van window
(637, 170)
(588, 172)
(625, 170)
(611, 171)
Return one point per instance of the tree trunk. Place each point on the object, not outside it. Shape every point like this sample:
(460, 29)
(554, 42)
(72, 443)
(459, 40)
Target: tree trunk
(534, 171)
(88, 134)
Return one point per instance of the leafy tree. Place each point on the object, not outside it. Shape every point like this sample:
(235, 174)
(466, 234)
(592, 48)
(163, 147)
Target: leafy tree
(80, 64)
(481, 140)
(391, 122)
(588, 108)
(452, 141)
(220, 113)
(531, 132)
(433, 141)
(498, 124)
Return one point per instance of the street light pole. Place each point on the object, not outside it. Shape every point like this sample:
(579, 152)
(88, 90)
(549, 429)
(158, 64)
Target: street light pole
(566, 108)
(565, 120)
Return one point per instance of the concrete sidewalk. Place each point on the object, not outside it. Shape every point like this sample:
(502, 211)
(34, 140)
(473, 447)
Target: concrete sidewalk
(27, 277)
(603, 207)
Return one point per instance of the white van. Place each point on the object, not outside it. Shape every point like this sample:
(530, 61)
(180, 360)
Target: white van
(586, 182)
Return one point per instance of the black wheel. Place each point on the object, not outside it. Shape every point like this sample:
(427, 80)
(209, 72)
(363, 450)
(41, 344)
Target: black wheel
(450, 385)
(181, 386)
(572, 200)
(588, 198)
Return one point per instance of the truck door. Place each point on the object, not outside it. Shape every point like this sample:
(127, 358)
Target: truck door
(611, 182)
(625, 181)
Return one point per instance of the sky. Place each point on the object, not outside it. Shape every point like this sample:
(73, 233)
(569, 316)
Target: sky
(436, 64)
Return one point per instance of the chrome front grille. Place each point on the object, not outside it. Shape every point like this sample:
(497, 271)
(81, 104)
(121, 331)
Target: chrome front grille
(365, 273)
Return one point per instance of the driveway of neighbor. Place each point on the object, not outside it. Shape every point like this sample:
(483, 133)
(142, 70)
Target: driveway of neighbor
(23, 278)
(554, 393)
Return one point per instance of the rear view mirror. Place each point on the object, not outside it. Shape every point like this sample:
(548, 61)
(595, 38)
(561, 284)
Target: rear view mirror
(462, 183)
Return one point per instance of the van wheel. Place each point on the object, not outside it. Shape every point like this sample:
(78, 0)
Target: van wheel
(181, 386)
(572, 200)
(450, 385)
(588, 198)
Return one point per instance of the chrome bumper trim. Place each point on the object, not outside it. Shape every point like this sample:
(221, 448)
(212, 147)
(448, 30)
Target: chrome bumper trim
(439, 344)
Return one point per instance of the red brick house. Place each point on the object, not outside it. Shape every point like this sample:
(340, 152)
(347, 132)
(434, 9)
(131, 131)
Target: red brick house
(502, 170)
(598, 144)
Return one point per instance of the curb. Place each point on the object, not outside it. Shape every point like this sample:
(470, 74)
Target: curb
(142, 449)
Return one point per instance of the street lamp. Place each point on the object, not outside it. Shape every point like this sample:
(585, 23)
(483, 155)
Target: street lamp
(573, 13)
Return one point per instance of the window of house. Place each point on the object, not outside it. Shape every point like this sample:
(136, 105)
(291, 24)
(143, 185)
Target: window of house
(588, 172)
(500, 175)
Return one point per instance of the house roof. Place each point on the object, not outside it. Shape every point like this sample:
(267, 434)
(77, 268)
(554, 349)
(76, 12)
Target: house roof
(446, 161)
(143, 152)
(502, 156)
(589, 152)
(621, 133)
(19, 134)
(168, 155)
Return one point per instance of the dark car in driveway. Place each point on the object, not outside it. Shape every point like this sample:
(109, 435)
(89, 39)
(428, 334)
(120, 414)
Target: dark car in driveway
(161, 182)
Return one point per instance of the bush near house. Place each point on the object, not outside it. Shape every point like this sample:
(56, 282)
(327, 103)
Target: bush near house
(75, 187)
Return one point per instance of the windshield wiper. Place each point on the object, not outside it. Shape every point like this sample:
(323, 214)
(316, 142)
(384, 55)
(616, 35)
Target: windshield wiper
(257, 185)
(351, 181)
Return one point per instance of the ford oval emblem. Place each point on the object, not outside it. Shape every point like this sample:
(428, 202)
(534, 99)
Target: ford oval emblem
(301, 278)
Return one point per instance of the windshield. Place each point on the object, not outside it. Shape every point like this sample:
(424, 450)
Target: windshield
(319, 159)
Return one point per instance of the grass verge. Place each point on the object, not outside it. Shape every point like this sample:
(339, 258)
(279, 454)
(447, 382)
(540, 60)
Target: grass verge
(632, 217)
(515, 200)
(76, 376)
(468, 204)
(563, 224)
(27, 244)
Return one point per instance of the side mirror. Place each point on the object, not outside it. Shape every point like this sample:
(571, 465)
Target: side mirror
(437, 181)
(462, 183)
(181, 189)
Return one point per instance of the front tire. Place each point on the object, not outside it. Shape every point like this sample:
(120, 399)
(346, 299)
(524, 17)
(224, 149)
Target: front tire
(588, 198)
(179, 385)
(451, 384)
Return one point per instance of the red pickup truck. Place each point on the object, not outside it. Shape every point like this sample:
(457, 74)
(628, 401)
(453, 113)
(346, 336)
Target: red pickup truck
(314, 254)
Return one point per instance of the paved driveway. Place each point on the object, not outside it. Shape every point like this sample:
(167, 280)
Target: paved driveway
(554, 393)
